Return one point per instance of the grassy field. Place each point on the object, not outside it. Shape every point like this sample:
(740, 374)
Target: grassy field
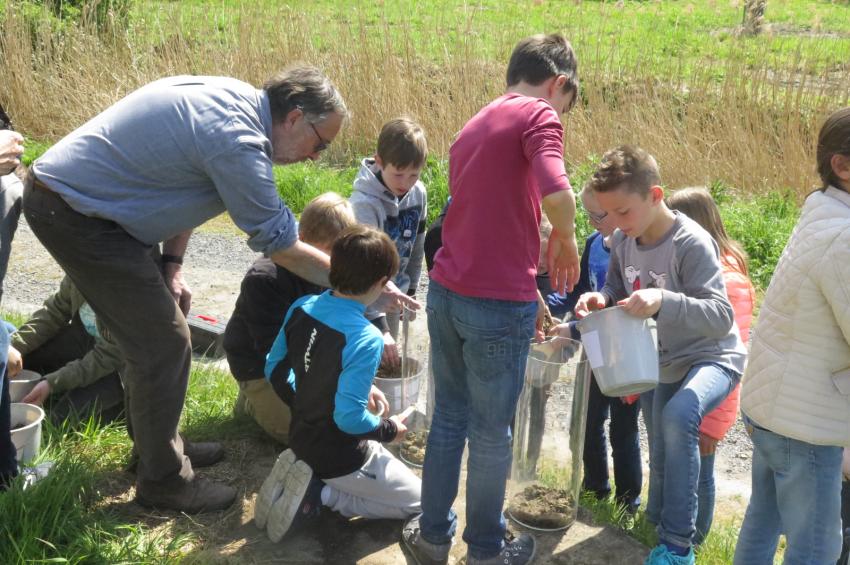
(674, 77)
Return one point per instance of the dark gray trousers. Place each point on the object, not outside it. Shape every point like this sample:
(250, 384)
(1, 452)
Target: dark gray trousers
(122, 283)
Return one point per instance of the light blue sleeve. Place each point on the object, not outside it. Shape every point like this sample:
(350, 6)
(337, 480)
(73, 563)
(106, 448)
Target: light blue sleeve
(244, 179)
(360, 361)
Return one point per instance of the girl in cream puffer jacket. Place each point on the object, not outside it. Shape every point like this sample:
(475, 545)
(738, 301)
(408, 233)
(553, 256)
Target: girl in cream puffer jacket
(796, 389)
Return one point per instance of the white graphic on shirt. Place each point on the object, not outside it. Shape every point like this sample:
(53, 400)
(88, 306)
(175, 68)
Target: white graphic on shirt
(633, 276)
(309, 349)
(659, 280)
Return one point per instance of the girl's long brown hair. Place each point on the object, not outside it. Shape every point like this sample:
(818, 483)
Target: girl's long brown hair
(833, 139)
(697, 204)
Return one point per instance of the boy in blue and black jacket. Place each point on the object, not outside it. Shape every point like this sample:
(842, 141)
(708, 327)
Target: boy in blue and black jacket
(322, 365)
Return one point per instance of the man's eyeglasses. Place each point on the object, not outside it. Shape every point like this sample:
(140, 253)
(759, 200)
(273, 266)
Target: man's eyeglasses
(323, 143)
(597, 218)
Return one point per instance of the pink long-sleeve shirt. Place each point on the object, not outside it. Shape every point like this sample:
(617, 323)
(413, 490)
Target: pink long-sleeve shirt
(506, 159)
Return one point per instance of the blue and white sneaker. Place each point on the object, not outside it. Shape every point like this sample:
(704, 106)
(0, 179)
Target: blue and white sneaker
(662, 555)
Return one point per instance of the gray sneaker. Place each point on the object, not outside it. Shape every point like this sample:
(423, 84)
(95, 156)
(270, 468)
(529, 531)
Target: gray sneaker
(423, 552)
(518, 550)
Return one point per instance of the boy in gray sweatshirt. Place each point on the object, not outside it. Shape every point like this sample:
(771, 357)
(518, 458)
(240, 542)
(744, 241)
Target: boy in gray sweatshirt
(389, 196)
(664, 265)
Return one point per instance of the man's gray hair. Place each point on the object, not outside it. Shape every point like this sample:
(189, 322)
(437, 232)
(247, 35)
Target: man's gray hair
(307, 88)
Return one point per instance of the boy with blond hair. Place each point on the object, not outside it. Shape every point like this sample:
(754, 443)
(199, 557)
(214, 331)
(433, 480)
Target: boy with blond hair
(664, 265)
(267, 292)
(389, 196)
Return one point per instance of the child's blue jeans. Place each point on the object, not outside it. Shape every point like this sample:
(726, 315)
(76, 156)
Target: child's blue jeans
(796, 492)
(705, 497)
(478, 352)
(625, 447)
(674, 461)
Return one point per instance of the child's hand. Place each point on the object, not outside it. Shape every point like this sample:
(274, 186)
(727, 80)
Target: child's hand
(567, 330)
(377, 403)
(707, 445)
(389, 358)
(588, 302)
(14, 363)
(38, 394)
(402, 428)
(643, 303)
(563, 256)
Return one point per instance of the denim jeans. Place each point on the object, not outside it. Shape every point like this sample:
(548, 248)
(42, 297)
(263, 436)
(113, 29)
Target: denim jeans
(8, 453)
(478, 351)
(796, 492)
(11, 196)
(625, 447)
(705, 497)
(674, 462)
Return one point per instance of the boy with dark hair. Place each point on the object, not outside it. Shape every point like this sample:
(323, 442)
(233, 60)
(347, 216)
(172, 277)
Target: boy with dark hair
(267, 292)
(483, 299)
(389, 196)
(322, 365)
(664, 265)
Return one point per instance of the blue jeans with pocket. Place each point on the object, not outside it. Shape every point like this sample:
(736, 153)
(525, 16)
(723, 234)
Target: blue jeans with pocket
(796, 492)
(674, 463)
(478, 353)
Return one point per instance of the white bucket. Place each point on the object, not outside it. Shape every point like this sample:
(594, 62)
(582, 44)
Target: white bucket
(392, 387)
(22, 384)
(622, 351)
(26, 430)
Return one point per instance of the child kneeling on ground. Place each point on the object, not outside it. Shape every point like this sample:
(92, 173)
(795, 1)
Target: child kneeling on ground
(322, 365)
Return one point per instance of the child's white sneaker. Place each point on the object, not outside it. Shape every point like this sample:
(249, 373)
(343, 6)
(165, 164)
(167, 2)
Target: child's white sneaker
(272, 487)
(299, 503)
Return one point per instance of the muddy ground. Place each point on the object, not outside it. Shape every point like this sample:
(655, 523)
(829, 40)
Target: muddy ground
(214, 266)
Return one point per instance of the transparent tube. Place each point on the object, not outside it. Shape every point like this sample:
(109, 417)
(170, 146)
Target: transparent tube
(548, 437)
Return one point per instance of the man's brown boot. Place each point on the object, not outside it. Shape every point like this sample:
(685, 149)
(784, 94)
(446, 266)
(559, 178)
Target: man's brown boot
(200, 454)
(193, 497)
(203, 453)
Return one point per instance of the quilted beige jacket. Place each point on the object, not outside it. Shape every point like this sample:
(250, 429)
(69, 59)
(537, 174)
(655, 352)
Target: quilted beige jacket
(797, 382)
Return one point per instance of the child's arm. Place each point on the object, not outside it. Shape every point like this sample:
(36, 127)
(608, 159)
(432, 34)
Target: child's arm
(360, 361)
(560, 307)
(414, 265)
(834, 280)
(615, 286)
(701, 306)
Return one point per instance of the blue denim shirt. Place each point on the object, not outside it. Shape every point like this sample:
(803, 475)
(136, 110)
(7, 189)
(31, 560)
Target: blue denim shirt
(170, 156)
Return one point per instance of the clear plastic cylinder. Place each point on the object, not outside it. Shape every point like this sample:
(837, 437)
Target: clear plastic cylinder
(548, 437)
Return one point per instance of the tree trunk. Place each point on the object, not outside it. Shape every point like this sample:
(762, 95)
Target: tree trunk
(753, 16)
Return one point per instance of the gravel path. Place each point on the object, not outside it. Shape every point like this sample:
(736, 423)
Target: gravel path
(214, 266)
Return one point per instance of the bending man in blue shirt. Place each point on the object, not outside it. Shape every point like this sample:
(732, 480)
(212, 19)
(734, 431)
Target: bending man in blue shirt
(149, 169)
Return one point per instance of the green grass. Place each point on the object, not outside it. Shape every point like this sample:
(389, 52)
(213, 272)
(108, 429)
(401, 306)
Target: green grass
(645, 33)
(717, 549)
(62, 519)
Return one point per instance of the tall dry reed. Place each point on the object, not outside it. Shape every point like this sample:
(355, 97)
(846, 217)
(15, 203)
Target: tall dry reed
(750, 127)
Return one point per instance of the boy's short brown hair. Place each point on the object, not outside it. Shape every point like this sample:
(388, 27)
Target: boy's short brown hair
(626, 166)
(402, 143)
(538, 58)
(361, 256)
(324, 218)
